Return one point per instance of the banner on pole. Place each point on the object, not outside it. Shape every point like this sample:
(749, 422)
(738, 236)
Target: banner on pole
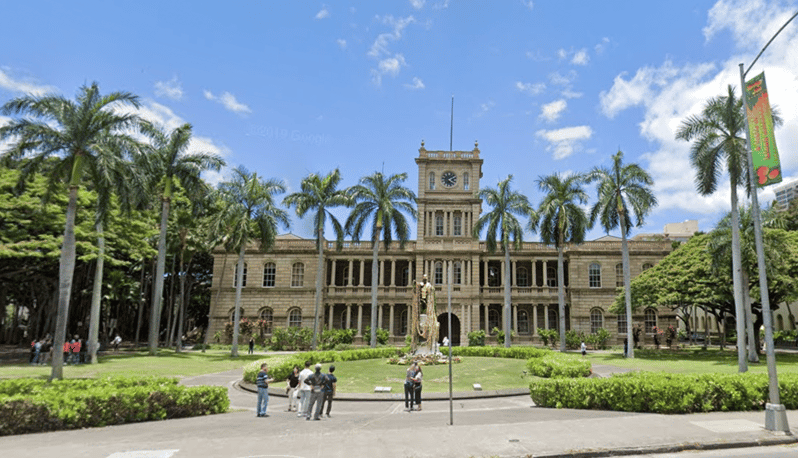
(764, 154)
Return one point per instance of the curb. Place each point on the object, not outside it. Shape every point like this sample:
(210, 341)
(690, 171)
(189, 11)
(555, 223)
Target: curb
(778, 439)
(394, 397)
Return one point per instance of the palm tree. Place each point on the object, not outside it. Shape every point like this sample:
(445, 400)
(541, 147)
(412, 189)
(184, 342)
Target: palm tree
(506, 204)
(81, 133)
(167, 163)
(248, 211)
(320, 194)
(561, 221)
(718, 135)
(380, 202)
(619, 188)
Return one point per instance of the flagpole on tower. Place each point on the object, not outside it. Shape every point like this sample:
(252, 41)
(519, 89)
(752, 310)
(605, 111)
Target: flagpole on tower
(451, 125)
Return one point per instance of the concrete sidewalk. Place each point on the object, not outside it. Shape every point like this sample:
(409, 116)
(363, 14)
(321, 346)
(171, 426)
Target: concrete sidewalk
(494, 427)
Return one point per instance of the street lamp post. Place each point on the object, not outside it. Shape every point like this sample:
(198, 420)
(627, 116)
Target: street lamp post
(775, 412)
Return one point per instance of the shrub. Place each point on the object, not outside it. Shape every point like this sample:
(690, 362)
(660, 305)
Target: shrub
(500, 352)
(549, 336)
(280, 367)
(476, 338)
(500, 335)
(573, 339)
(382, 335)
(558, 365)
(332, 338)
(291, 339)
(665, 393)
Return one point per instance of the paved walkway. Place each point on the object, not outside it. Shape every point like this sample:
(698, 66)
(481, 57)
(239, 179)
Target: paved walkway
(508, 426)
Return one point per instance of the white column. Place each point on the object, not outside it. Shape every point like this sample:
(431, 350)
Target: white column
(546, 315)
(546, 278)
(534, 319)
(393, 272)
(332, 315)
(379, 316)
(382, 273)
(487, 320)
(348, 316)
(362, 269)
(349, 275)
(515, 318)
(485, 271)
(463, 326)
(359, 319)
(332, 273)
(513, 280)
(391, 330)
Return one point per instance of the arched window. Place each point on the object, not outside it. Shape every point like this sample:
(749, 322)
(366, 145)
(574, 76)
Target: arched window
(438, 277)
(298, 275)
(647, 266)
(403, 323)
(493, 319)
(243, 279)
(457, 272)
(458, 226)
(594, 275)
(651, 320)
(596, 320)
(551, 276)
(622, 323)
(439, 225)
(779, 323)
(522, 276)
(406, 276)
(554, 323)
(342, 320)
(465, 181)
(432, 180)
(295, 318)
(523, 322)
(266, 316)
(232, 314)
(493, 276)
(345, 274)
(269, 274)
(619, 274)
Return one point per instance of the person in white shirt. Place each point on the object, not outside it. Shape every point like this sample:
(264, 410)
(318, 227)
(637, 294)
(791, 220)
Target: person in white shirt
(304, 391)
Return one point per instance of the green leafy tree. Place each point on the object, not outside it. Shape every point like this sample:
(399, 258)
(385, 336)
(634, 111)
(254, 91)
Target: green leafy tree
(320, 194)
(501, 222)
(622, 188)
(381, 204)
(82, 133)
(168, 162)
(249, 211)
(561, 221)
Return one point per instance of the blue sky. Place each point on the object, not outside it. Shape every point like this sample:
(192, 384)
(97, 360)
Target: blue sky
(291, 88)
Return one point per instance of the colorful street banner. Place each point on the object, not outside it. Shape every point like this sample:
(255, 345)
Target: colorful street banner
(764, 154)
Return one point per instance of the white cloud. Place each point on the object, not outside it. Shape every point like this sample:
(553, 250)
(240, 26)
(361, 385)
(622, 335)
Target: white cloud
(559, 79)
(530, 88)
(24, 87)
(441, 5)
(580, 57)
(529, 4)
(417, 4)
(341, 43)
(323, 13)
(484, 108)
(751, 23)
(416, 84)
(171, 89)
(570, 94)
(388, 66)
(599, 48)
(229, 101)
(562, 54)
(552, 111)
(388, 63)
(564, 142)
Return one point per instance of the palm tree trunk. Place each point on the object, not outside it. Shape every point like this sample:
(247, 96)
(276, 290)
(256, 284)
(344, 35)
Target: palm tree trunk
(319, 277)
(374, 286)
(207, 338)
(157, 293)
(739, 306)
(627, 287)
(753, 354)
(239, 281)
(65, 272)
(508, 326)
(561, 293)
(96, 295)
(182, 306)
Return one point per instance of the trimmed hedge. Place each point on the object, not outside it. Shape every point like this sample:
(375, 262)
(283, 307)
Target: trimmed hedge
(664, 393)
(28, 406)
(558, 365)
(502, 352)
(280, 367)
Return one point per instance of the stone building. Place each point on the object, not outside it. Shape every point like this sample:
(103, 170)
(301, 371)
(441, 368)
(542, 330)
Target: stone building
(280, 284)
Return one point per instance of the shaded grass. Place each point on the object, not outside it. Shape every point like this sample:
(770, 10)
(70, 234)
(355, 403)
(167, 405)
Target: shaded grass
(492, 373)
(691, 361)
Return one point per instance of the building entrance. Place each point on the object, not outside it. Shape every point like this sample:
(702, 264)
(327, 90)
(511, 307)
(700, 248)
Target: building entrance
(454, 336)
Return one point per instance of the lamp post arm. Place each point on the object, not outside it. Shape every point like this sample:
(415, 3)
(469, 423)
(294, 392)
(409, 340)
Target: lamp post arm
(768, 44)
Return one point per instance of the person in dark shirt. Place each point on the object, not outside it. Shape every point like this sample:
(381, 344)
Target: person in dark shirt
(316, 382)
(263, 390)
(291, 390)
(328, 390)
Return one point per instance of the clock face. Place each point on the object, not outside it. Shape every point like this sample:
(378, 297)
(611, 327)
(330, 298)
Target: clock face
(448, 179)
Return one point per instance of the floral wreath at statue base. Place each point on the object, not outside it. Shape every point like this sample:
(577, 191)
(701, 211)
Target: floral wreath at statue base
(423, 360)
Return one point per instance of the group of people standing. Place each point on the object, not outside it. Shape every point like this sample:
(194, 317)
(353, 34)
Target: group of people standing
(413, 379)
(308, 391)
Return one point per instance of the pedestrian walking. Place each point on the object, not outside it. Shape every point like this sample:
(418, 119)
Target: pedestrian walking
(117, 340)
(263, 390)
(417, 386)
(291, 389)
(409, 394)
(328, 390)
(584, 348)
(304, 391)
(316, 382)
(251, 346)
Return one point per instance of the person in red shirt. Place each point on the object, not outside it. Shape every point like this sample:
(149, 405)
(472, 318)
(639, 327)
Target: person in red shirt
(66, 351)
(75, 347)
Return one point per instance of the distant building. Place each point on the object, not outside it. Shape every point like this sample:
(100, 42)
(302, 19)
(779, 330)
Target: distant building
(785, 193)
(672, 232)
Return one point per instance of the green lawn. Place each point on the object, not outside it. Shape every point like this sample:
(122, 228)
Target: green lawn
(127, 363)
(691, 361)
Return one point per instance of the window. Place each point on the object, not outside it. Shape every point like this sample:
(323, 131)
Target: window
(438, 278)
(622, 323)
(295, 318)
(554, 323)
(522, 276)
(298, 275)
(651, 320)
(596, 320)
(523, 322)
(647, 266)
(594, 275)
(232, 314)
(619, 274)
(403, 323)
(493, 276)
(493, 319)
(458, 225)
(406, 276)
(269, 271)
(432, 180)
(438, 224)
(551, 276)
(465, 181)
(243, 279)
(342, 320)
(457, 273)
(266, 316)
